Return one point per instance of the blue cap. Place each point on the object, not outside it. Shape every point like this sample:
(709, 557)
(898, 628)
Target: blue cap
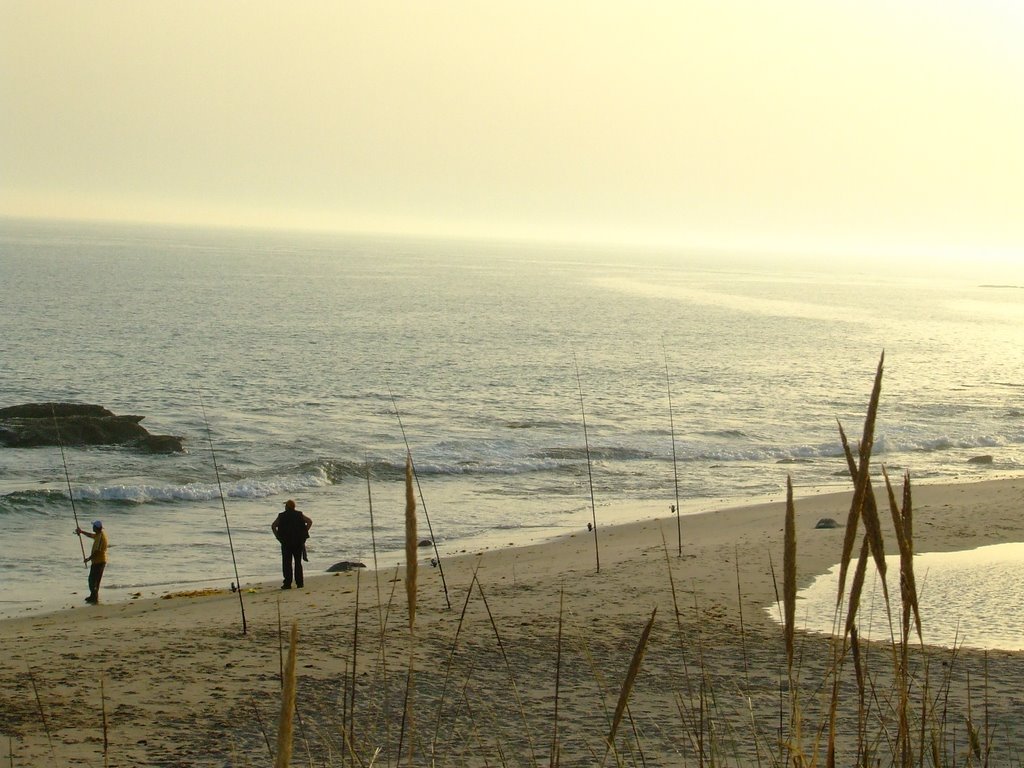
(97, 523)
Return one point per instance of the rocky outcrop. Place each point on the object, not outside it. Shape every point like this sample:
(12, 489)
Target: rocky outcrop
(345, 565)
(39, 424)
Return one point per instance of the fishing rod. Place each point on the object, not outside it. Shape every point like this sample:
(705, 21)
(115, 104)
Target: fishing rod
(373, 544)
(433, 541)
(67, 478)
(675, 468)
(224, 506)
(590, 471)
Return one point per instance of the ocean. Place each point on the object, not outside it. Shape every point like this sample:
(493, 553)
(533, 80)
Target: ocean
(303, 364)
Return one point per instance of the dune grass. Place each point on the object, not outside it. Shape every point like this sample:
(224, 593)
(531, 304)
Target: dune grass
(669, 695)
(892, 711)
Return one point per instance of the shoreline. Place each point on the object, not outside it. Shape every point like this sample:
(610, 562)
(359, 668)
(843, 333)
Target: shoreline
(178, 668)
(611, 514)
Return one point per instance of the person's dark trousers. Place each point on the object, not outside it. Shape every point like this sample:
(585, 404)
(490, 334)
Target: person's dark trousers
(291, 563)
(95, 576)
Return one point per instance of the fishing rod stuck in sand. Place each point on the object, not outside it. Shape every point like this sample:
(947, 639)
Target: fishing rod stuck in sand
(224, 506)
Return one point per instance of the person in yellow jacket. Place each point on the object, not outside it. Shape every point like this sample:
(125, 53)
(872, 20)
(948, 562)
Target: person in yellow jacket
(97, 558)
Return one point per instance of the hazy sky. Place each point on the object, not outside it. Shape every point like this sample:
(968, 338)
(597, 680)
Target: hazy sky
(896, 124)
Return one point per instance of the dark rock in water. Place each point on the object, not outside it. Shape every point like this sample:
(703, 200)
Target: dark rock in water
(159, 444)
(39, 424)
(426, 543)
(826, 522)
(344, 565)
(49, 410)
(980, 460)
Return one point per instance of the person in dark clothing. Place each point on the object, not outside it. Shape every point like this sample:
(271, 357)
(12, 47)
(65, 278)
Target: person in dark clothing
(291, 528)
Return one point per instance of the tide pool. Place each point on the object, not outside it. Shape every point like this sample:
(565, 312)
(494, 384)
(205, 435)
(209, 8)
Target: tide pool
(973, 599)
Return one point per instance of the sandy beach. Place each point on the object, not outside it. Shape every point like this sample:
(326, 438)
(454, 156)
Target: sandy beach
(535, 654)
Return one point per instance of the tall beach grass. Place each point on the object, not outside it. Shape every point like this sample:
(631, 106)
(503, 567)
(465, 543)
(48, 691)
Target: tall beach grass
(840, 701)
(660, 679)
